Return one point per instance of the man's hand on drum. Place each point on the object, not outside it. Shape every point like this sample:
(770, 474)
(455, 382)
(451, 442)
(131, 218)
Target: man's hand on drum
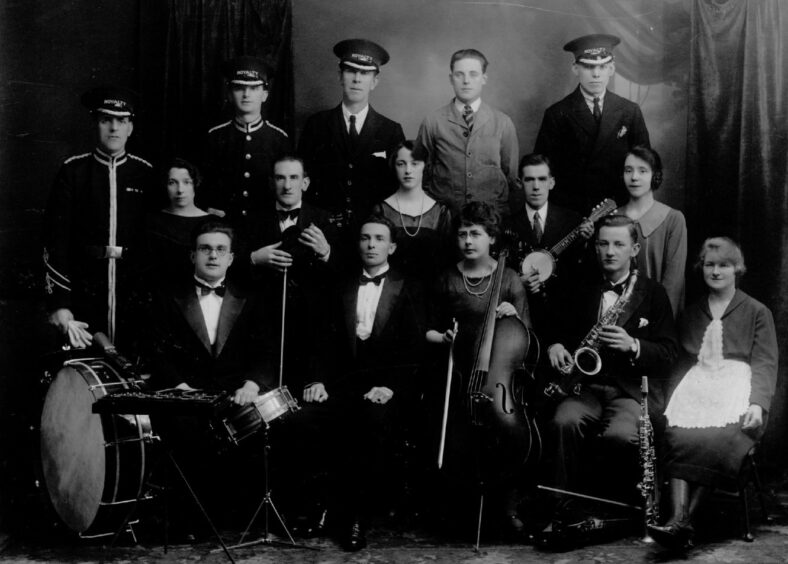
(75, 331)
(379, 394)
(246, 393)
(315, 393)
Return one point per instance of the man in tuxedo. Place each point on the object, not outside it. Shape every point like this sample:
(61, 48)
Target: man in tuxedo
(348, 419)
(539, 224)
(587, 134)
(346, 148)
(293, 238)
(640, 342)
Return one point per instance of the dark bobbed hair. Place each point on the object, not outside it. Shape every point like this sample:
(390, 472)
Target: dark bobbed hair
(727, 249)
(534, 159)
(652, 158)
(178, 162)
(617, 220)
(418, 153)
(381, 220)
(290, 157)
(469, 54)
(479, 213)
(212, 226)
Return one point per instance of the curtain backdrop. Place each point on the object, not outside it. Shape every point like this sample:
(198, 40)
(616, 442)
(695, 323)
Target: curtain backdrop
(201, 34)
(736, 152)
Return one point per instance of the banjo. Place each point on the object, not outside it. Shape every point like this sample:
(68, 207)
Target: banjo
(543, 260)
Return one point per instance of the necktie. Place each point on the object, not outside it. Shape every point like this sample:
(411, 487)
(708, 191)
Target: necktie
(353, 132)
(205, 289)
(538, 232)
(287, 214)
(610, 287)
(597, 110)
(467, 115)
(364, 279)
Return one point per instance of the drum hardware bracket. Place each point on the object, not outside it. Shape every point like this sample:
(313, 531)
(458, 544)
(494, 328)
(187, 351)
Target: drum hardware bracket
(129, 528)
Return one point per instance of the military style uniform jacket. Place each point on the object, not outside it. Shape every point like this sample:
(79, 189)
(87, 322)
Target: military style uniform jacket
(463, 165)
(348, 183)
(588, 159)
(96, 211)
(238, 166)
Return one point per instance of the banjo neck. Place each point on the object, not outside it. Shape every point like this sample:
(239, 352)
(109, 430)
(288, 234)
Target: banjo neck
(600, 210)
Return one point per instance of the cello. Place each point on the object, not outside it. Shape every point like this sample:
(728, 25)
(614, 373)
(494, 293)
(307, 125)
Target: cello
(491, 410)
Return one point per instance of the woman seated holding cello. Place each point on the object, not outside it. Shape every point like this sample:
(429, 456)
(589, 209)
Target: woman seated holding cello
(478, 292)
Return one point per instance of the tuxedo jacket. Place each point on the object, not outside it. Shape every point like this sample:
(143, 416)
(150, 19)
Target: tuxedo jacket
(648, 317)
(348, 182)
(588, 158)
(390, 356)
(244, 349)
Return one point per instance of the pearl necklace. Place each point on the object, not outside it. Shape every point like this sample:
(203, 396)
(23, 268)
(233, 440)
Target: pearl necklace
(402, 219)
(469, 285)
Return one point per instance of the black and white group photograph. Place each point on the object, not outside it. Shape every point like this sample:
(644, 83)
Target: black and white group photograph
(393, 281)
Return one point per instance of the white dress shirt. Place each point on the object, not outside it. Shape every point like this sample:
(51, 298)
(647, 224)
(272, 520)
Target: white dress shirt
(361, 117)
(211, 306)
(290, 221)
(529, 211)
(610, 297)
(367, 305)
(590, 100)
(475, 105)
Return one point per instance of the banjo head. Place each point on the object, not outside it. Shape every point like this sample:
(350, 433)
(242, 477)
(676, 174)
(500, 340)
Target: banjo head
(541, 261)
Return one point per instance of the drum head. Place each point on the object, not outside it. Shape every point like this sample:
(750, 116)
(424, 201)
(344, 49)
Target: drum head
(72, 450)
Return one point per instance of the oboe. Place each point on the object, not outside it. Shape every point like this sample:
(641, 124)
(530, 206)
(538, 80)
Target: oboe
(648, 462)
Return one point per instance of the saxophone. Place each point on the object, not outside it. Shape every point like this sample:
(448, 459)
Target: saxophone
(648, 460)
(586, 360)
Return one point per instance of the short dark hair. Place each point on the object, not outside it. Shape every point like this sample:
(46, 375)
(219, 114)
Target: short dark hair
(290, 157)
(468, 54)
(418, 152)
(381, 220)
(534, 159)
(652, 158)
(178, 162)
(212, 226)
(727, 249)
(479, 213)
(617, 220)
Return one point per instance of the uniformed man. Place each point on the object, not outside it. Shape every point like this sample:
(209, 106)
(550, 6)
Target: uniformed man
(471, 148)
(94, 238)
(239, 153)
(346, 148)
(587, 134)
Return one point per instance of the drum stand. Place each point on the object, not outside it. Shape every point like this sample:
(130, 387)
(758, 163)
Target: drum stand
(267, 502)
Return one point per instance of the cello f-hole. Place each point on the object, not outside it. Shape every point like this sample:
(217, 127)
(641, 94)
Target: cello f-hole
(503, 398)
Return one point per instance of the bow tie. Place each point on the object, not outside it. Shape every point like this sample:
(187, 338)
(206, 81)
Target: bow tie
(205, 289)
(376, 280)
(287, 214)
(610, 287)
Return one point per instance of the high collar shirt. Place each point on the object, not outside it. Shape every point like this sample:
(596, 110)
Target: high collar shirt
(211, 306)
(367, 305)
(361, 117)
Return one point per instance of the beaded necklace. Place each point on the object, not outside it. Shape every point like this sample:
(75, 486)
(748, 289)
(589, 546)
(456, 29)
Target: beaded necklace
(402, 219)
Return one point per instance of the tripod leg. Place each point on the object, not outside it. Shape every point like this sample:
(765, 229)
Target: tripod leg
(279, 517)
(199, 505)
(479, 522)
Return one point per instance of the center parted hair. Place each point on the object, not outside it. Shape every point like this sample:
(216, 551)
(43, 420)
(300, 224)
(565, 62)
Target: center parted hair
(381, 220)
(479, 213)
(178, 162)
(650, 157)
(617, 220)
(469, 54)
(212, 226)
(409, 144)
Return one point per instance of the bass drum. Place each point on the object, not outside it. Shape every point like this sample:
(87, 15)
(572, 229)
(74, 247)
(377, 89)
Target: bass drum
(94, 466)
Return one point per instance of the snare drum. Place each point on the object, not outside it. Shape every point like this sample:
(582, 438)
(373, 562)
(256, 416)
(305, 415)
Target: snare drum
(95, 466)
(234, 422)
(276, 404)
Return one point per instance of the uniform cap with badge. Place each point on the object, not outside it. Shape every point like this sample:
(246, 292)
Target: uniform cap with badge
(360, 54)
(595, 49)
(111, 100)
(247, 71)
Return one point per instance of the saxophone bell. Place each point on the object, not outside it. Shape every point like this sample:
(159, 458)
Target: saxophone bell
(588, 361)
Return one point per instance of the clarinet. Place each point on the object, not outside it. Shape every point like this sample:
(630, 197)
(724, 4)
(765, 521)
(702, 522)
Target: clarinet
(648, 461)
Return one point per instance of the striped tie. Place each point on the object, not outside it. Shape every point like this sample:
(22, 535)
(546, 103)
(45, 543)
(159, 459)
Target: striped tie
(467, 115)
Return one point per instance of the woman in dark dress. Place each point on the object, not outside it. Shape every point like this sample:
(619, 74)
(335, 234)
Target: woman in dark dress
(719, 407)
(423, 226)
(170, 229)
(462, 292)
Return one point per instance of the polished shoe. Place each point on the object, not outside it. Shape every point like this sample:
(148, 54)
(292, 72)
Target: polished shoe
(356, 539)
(674, 536)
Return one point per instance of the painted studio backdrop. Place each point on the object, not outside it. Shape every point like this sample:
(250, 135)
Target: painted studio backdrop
(710, 76)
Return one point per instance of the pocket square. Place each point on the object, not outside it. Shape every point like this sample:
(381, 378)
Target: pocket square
(622, 131)
(642, 323)
(381, 154)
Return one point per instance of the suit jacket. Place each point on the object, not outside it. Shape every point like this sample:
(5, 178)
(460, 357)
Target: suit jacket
(647, 317)
(244, 347)
(390, 356)
(463, 165)
(588, 159)
(344, 182)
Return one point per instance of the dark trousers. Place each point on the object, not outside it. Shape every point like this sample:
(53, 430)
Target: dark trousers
(602, 419)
